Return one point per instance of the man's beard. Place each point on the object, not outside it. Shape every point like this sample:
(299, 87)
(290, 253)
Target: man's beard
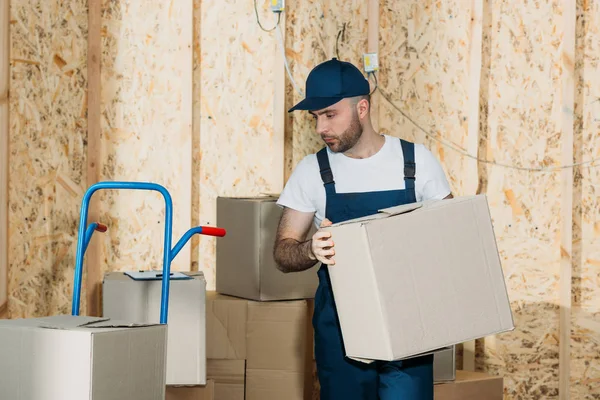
(349, 137)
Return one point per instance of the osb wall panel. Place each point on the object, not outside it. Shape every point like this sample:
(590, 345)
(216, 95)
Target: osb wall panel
(196, 117)
(146, 77)
(4, 81)
(237, 142)
(47, 146)
(424, 71)
(523, 129)
(585, 369)
(311, 36)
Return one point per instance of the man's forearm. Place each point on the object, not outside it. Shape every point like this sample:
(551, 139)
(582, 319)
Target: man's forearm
(294, 256)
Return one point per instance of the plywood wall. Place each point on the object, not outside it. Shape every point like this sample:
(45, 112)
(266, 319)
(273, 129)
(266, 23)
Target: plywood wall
(47, 147)
(311, 36)
(429, 70)
(524, 129)
(585, 369)
(187, 100)
(239, 154)
(146, 122)
(4, 124)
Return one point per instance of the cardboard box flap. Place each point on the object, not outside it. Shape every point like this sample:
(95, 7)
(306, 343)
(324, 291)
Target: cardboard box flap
(73, 322)
(67, 322)
(384, 213)
(402, 209)
(111, 323)
(260, 197)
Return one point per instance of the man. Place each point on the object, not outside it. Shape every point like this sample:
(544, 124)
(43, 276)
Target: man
(357, 173)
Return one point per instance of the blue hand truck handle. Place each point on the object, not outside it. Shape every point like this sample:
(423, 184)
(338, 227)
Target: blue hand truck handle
(85, 235)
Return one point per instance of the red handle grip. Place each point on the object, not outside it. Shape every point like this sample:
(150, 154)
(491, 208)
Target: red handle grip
(212, 231)
(101, 227)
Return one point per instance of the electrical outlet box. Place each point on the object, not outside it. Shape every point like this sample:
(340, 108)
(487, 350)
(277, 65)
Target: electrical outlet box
(371, 62)
(277, 5)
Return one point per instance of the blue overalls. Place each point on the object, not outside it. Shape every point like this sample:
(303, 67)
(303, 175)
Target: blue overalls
(342, 378)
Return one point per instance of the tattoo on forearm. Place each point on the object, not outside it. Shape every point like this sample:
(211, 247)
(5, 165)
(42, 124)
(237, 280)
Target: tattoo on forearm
(292, 255)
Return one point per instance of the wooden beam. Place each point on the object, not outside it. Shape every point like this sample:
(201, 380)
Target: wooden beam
(472, 180)
(279, 108)
(94, 154)
(4, 131)
(373, 47)
(566, 242)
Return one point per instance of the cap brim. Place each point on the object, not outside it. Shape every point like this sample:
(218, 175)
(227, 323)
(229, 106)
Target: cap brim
(315, 103)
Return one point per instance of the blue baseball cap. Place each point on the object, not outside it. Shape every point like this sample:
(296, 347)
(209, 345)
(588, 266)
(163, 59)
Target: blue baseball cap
(330, 82)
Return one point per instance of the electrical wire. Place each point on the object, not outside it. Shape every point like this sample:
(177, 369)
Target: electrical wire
(287, 66)
(453, 146)
(258, 19)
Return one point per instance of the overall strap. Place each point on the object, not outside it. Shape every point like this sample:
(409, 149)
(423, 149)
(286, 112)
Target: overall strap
(408, 150)
(325, 170)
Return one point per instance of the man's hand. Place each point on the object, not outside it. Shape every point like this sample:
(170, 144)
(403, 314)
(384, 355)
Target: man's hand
(322, 245)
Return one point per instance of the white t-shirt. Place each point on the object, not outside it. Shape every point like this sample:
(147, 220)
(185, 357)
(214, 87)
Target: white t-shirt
(384, 170)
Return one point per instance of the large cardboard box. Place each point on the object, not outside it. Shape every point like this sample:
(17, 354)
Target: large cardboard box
(471, 386)
(416, 278)
(205, 392)
(74, 358)
(139, 300)
(274, 339)
(245, 264)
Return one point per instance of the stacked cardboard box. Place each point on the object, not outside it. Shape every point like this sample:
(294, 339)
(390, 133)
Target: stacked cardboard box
(270, 343)
(245, 264)
(270, 338)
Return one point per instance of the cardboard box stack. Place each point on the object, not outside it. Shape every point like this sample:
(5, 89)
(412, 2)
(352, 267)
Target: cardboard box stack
(263, 316)
(267, 342)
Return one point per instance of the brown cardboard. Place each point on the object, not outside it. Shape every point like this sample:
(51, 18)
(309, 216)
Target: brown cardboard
(471, 386)
(276, 335)
(229, 377)
(73, 358)
(245, 264)
(277, 345)
(139, 300)
(226, 319)
(205, 392)
(413, 279)
(274, 385)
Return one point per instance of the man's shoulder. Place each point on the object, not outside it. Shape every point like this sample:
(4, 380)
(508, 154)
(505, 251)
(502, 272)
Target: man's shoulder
(306, 167)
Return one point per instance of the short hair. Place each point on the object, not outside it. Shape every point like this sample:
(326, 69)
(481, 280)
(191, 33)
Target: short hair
(356, 99)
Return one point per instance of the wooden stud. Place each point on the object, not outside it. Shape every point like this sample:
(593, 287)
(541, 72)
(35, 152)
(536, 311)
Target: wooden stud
(279, 107)
(94, 153)
(373, 47)
(566, 242)
(472, 180)
(4, 127)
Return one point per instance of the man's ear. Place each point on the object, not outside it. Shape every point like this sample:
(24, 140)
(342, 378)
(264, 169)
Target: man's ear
(363, 108)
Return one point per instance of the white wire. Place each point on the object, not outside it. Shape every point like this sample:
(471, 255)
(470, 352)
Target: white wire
(287, 66)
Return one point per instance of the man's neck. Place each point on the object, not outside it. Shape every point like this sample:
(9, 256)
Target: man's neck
(369, 144)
